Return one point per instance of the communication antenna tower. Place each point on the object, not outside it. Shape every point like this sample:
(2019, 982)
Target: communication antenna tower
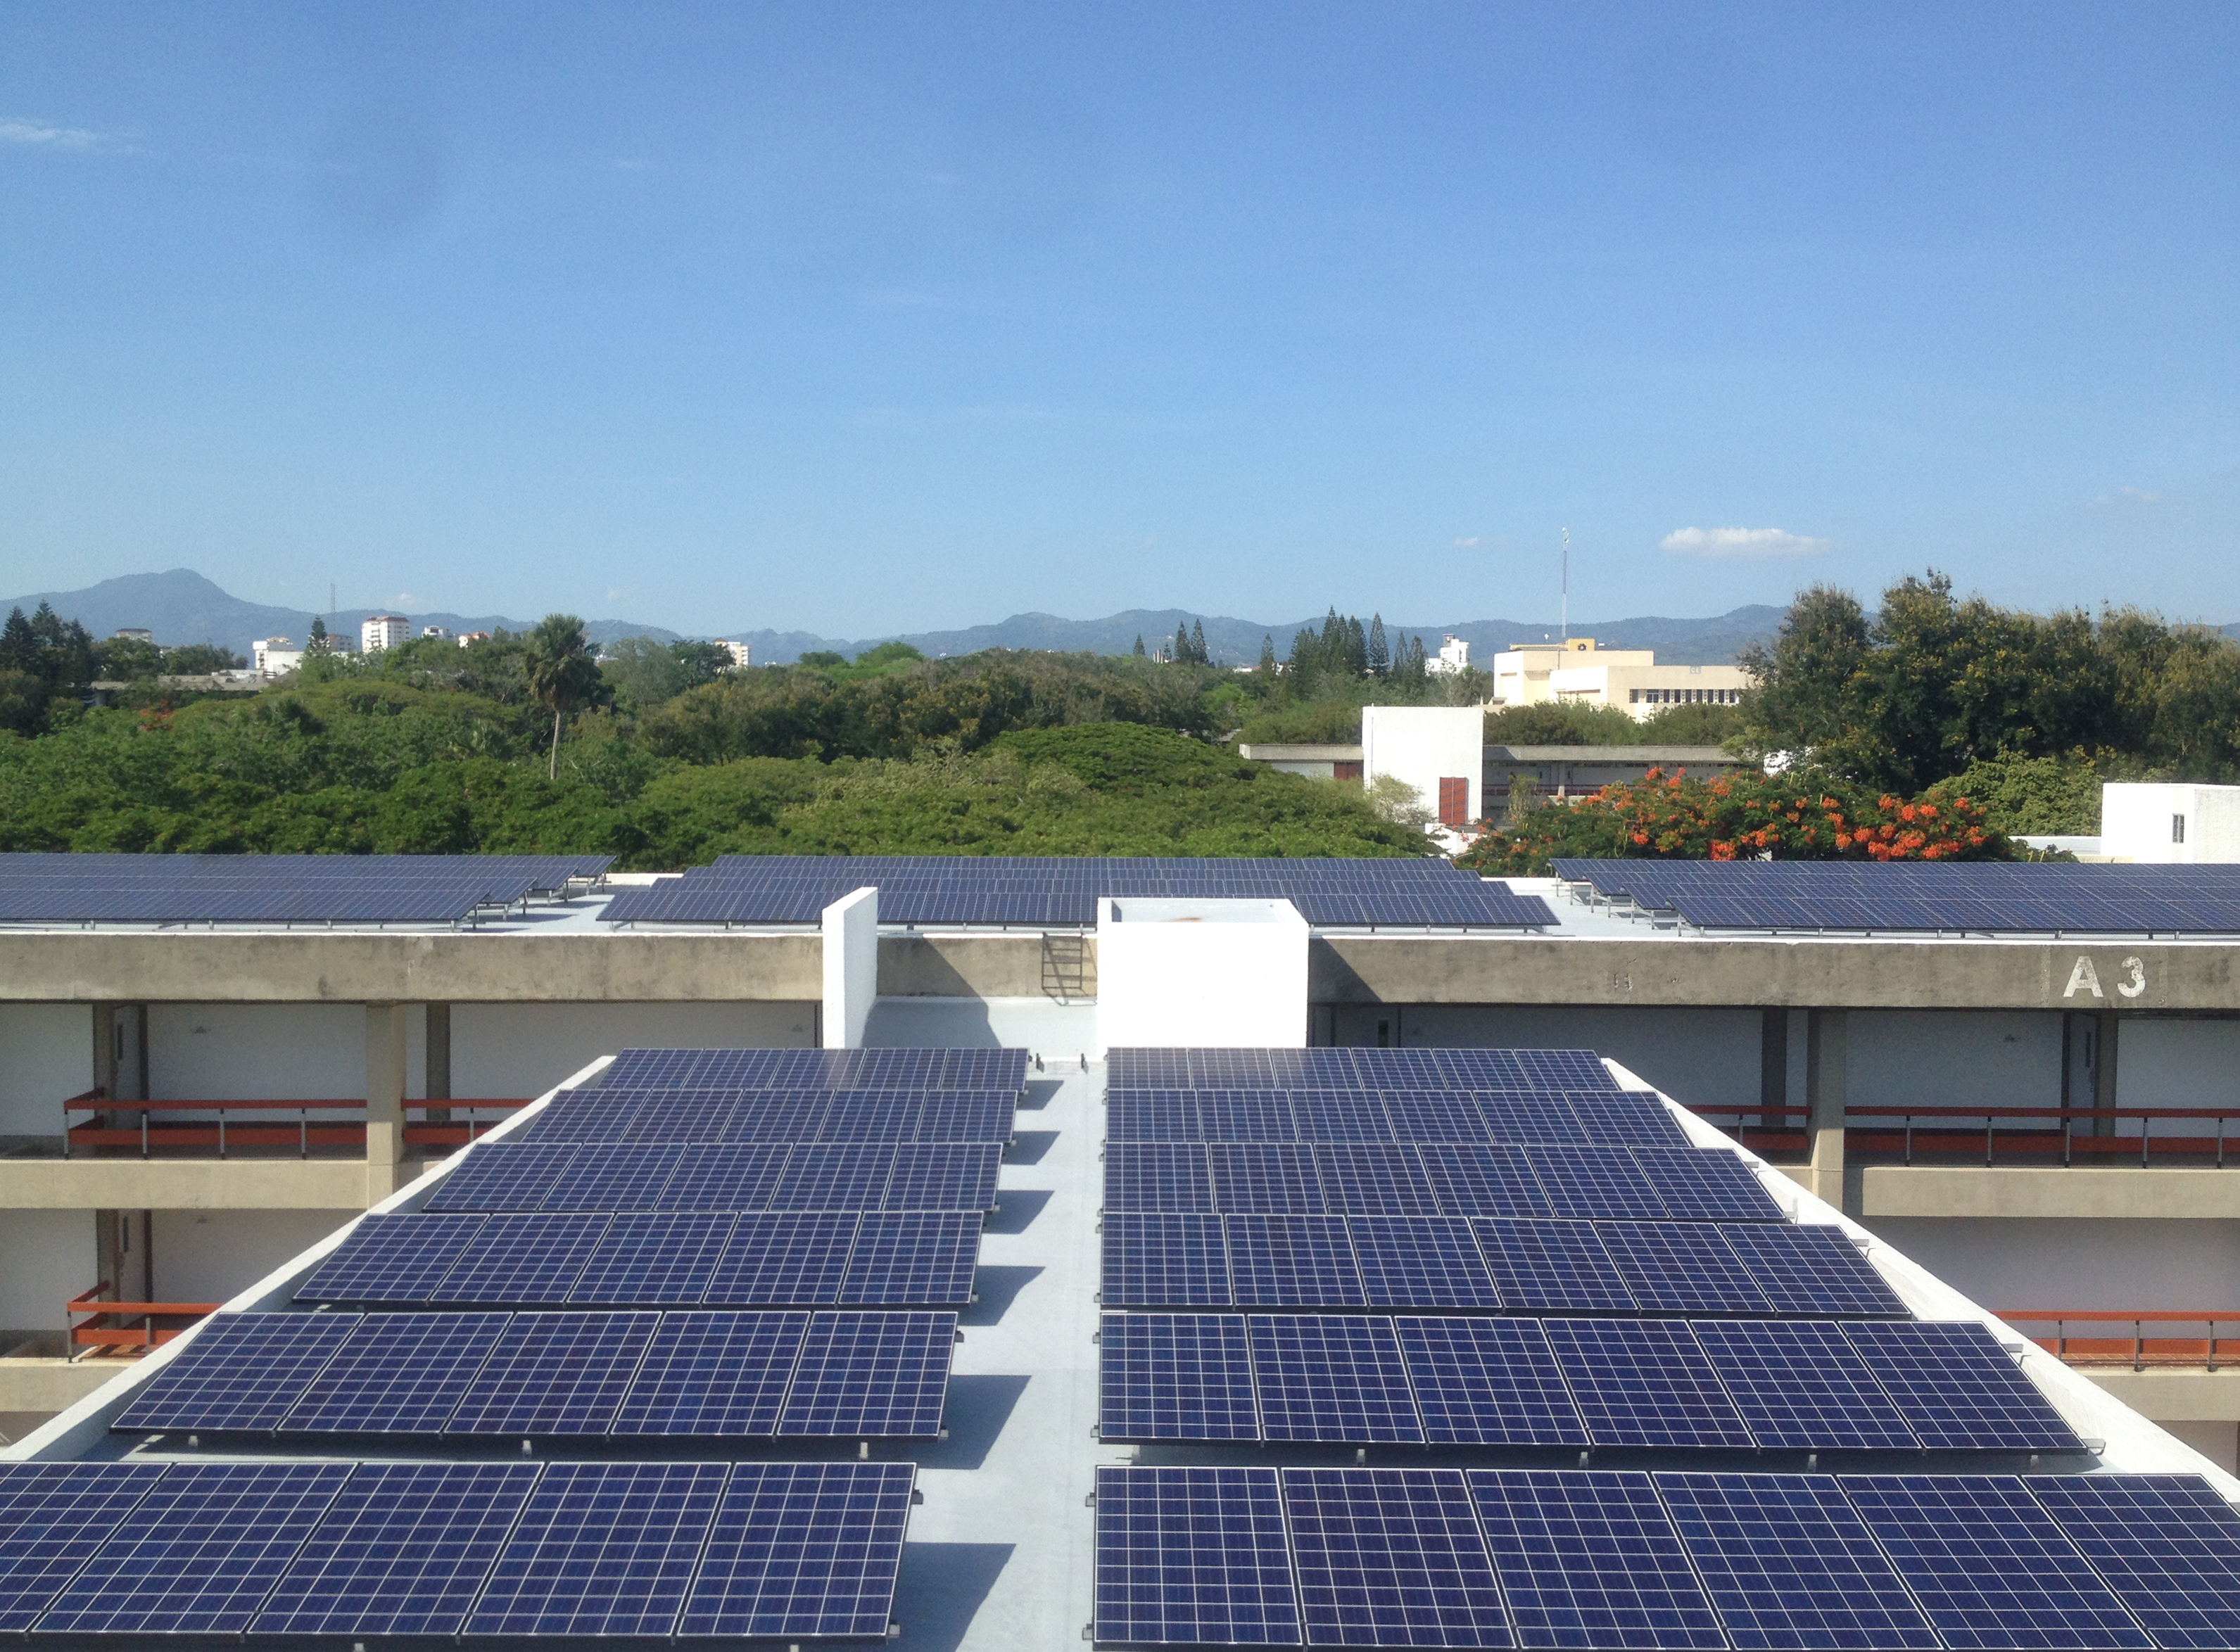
(1567, 586)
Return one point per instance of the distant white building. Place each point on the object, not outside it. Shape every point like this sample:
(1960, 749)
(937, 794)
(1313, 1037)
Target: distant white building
(434, 631)
(1452, 659)
(383, 631)
(134, 633)
(2169, 824)
(468, 639)
(1439, 751)
(741, 656)
(273, 657)
(1576, 672)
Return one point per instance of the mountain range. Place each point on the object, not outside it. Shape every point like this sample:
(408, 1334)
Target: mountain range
(181, 606)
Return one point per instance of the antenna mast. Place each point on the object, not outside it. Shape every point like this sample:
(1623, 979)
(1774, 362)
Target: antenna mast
(1567, 585)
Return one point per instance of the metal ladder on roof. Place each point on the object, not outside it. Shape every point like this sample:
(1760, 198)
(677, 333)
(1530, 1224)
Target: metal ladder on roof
(1069, 968)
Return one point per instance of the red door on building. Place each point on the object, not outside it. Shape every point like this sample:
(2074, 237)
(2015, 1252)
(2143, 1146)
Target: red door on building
(1453, 801)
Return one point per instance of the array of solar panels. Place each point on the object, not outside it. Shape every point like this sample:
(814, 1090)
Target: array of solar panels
(1418, 891)
(2031, 898)
(593, 1375)
(791, 1550)
(279, 889)
(1759, 1562)
(1574, 1284)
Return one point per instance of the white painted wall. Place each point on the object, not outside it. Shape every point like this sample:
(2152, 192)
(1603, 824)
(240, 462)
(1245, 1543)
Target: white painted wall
(1707, 1057)
(2136, 823)
(46, 1057)
(2172, 1062)
(851, 968)
(1954, 1058)
(49, 1256)
(209, 1255)
(1421, 744)
(504, 1050)
(2019, 1262)
(1201, 974)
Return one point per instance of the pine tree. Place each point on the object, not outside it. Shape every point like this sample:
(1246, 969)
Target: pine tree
(1380, 658)
(1197, 643)
(1182, 645)
(1267, 657)
(1139, 645)
(1357, 647)
(319, 641)
(19, 644)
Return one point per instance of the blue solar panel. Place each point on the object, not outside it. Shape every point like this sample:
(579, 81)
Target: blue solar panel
(397, 1374)
(1156, 1175)
(84, 889)
(651, 1259)
(1420, 1262)
(713, 1374)
(783, 1260)
(942, 1176)
(1643, 1382)
(701, 1117)
(616, 1177)
(1152, 1261)
(1488, 1381)
(1331, 1116)
(865, 1375)
(1425, 1116)
(1681, 1267)
(1789, 1565)
(1152, 1115)
(402, 1550)
(1247, 1116)
(1634, 1118)
(834, 1176)
(240, 1371)
(802, 1549)
(393, 1258)
(1193, 1556)
(524, 1256)
(601, 1549)
(1810, 1268)
(1800, 1386)
(555, 1374)
(728, 1176)
(1594, 1182)
(1590, 1560)
(53, 1517)
(1293, 1262)
(1176, 1376)
(917, 1070)
(1705, 1184)
(1391, 1558)
(1988, 1565)
(1957, 1389)
(1336, 1377)
(1550, 1265)
(921, 1258)
(498, 1175)
(2167, 1544)
(1476, 1179)
(200, 1552)
(1374, 1179)
(1267, 1178)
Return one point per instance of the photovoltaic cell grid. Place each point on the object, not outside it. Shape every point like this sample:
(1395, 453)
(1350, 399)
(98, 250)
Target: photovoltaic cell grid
(1512, 1118)
(278, 889)
(1418, 892)
(1758, 1562)
(608, 1115)
(995, 1071)
(810, 1175)
(1949, 897)
(705, 1374)
(1354, 1069)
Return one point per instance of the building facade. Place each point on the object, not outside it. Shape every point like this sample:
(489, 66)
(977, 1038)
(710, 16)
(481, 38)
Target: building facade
(383, 631)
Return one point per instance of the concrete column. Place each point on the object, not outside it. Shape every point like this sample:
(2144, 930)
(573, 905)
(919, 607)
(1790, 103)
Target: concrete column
(851, 968)
(436, 1059)
(1826, 1061)
(384, 1098)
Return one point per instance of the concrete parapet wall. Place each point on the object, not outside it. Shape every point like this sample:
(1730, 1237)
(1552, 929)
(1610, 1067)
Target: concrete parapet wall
(2172, 1396)
(183, 1184)
(2050, 1191)
(49, 1384)
(962, 966)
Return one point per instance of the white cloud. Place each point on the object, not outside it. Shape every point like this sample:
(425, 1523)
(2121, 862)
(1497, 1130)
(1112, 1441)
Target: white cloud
(39, 134)
(1474, 539)
(2128, 496)
(1741, 541)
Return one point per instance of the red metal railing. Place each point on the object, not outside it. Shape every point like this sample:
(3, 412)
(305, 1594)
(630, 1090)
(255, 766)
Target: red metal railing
(2139, 1349)
(1776, 1132)
(1991, 1134)
(153, 1131)
(108, 1330)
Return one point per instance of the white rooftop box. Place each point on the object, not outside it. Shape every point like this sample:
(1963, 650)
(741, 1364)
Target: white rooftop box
(1200, 974)
(2169, 824)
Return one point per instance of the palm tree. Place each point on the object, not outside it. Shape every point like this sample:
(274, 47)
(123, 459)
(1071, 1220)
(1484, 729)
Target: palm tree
(561, 674)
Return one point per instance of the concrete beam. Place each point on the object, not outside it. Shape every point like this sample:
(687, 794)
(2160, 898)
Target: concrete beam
(51, 1384)
(2172, 1396)
(963, 966)
(2086, 1191)
(183, 1184)
(384, 1098)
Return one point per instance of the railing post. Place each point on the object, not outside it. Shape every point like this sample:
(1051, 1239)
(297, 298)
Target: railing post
(2138, 1345)
(2146, 1130)
(2067, 1129)
(1989, 1124)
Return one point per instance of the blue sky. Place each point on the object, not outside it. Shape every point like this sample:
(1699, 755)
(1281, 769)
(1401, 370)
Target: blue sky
(860, 319)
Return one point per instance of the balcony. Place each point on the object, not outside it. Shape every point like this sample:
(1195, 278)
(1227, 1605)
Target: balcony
(222, 1128)
(103, 1326)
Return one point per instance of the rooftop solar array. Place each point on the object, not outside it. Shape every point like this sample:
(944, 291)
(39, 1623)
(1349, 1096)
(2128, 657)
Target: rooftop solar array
(294, 1549)
(996, 1071)
(1420, 1071)
(1752, 1561)
(1511, 1118)
(1417, 891)
(278, 889)
(1981, 898)
(668, 1176)
(700, 1118)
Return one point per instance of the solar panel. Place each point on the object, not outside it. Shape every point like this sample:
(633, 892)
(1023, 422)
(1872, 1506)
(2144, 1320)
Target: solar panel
(1425, 1116)
(1789, 1565)
(1488, 1381)
(866, 1374)
(1811, 1268)
(1260, 1116)
(803, 1550)
(239, 1372)
(700, 1118)
(1336, 1377)
(1165, 1260)
(942, 1176)
(1420, 1262)
(497, 1176)
(1705, 1184)
(1373, 1179)
(86, 889)
(2167, 1544)
(1643, 1382)
(1293, 1262)
(601, 1549)
(834, 1176)
(1680, 1266)
(1800, 1386)
(524, 1256)
(53, 1517)
(1594, 1182)
(794, 1259)
(1193, 1556)
(555, 1374)
(392, 1258)
(1332, 1116)
(397, 1374)
(402, 1550)
(915, 1258)
(653, 1258)
(616, 1177)
(1550, 1267)
(1390, 1558)
(200, 1552)
(1590, 1560)
(1957, 1389)
(1003, 1072)
(1156, 1175)
(1268, 1178)
(1176, 1376)
(736, 1175)
(1476, 1179)
(1151, 1116)
(713, 1374)
(1987, 1564)
(1633, 1118)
